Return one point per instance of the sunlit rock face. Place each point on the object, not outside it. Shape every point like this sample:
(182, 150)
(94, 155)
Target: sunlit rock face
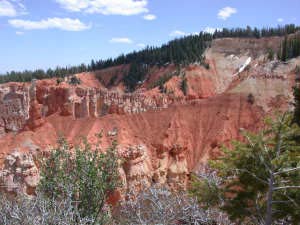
(24, 104)
(163, 136)
(20, 173)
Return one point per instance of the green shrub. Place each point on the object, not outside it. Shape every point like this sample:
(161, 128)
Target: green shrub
(84, 174)
(297, 69)
(251, 99)
(161, 81)
(112, 80)
(136, 75)
(74, 81)
(59, 80)
(271, 54)
(184, 86)
(206, 65)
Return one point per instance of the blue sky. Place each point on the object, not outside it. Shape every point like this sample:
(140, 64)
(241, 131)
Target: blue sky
(46, 33)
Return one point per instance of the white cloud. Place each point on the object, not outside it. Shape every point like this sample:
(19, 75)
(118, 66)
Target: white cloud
(177, 33)
(57, 23)
(7, 9)
(122, 40)
(11, 8)
(226, 12)
(19, 33)
(280, 20)
(141, 45)
(149, 17)
(73, 5)
(106, 7)
(210, 30)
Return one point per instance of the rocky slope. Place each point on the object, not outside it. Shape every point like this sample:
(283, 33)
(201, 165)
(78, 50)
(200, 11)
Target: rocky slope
(162, 137)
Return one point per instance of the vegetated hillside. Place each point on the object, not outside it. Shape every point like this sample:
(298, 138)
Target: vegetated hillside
(182, 51)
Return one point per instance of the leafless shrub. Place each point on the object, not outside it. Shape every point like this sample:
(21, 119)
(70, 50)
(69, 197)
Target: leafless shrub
(210, 175)
(205, 185)
(39, 210)
(160, 206)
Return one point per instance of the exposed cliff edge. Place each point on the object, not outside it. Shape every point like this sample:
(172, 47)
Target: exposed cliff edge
(162, 136)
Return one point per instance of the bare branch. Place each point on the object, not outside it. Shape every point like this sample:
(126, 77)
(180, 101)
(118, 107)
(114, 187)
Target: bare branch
(287, 170)
(286, 187)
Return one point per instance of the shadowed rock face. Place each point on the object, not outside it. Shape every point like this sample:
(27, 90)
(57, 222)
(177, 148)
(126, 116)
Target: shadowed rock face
(162, 137)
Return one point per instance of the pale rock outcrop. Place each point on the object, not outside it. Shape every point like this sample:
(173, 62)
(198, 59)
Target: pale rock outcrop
(20, 173)
(136, 165)
(14, 107)
(141, 169)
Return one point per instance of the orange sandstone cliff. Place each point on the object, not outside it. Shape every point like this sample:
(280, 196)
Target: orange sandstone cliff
(162, 136)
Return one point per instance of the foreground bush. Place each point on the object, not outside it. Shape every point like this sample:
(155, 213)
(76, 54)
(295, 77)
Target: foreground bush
(84, 175)
(160, 206)
(40, 210)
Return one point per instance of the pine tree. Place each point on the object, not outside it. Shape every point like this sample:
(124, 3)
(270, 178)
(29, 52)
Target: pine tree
(262, 175)
(184, 86)
(297, 97)
(93, 65)
(283, 56)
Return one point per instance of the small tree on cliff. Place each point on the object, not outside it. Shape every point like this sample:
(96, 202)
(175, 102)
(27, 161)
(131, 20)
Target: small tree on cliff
(85, 175)
(262, 175)
(184, 86)
(297, 105)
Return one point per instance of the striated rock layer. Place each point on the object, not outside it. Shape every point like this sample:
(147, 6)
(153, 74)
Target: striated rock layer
(160, 147)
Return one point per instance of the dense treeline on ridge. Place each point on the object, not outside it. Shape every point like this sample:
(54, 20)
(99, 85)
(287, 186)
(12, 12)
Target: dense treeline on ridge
(183, 50)
(290, 48)
(248, 32)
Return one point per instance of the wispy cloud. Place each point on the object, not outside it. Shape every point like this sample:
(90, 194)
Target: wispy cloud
(122, 40)
(106, 7)
(141, 45)
(50, 23)
(150, 17)
(280, 20)
(177, 33)
(12, 8)
(19, 33)
(226, 12)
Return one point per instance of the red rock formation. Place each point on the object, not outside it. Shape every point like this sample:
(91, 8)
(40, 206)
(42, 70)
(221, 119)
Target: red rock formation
(162, 136)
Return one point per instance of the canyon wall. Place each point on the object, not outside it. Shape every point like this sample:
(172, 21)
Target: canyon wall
(162, 136)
